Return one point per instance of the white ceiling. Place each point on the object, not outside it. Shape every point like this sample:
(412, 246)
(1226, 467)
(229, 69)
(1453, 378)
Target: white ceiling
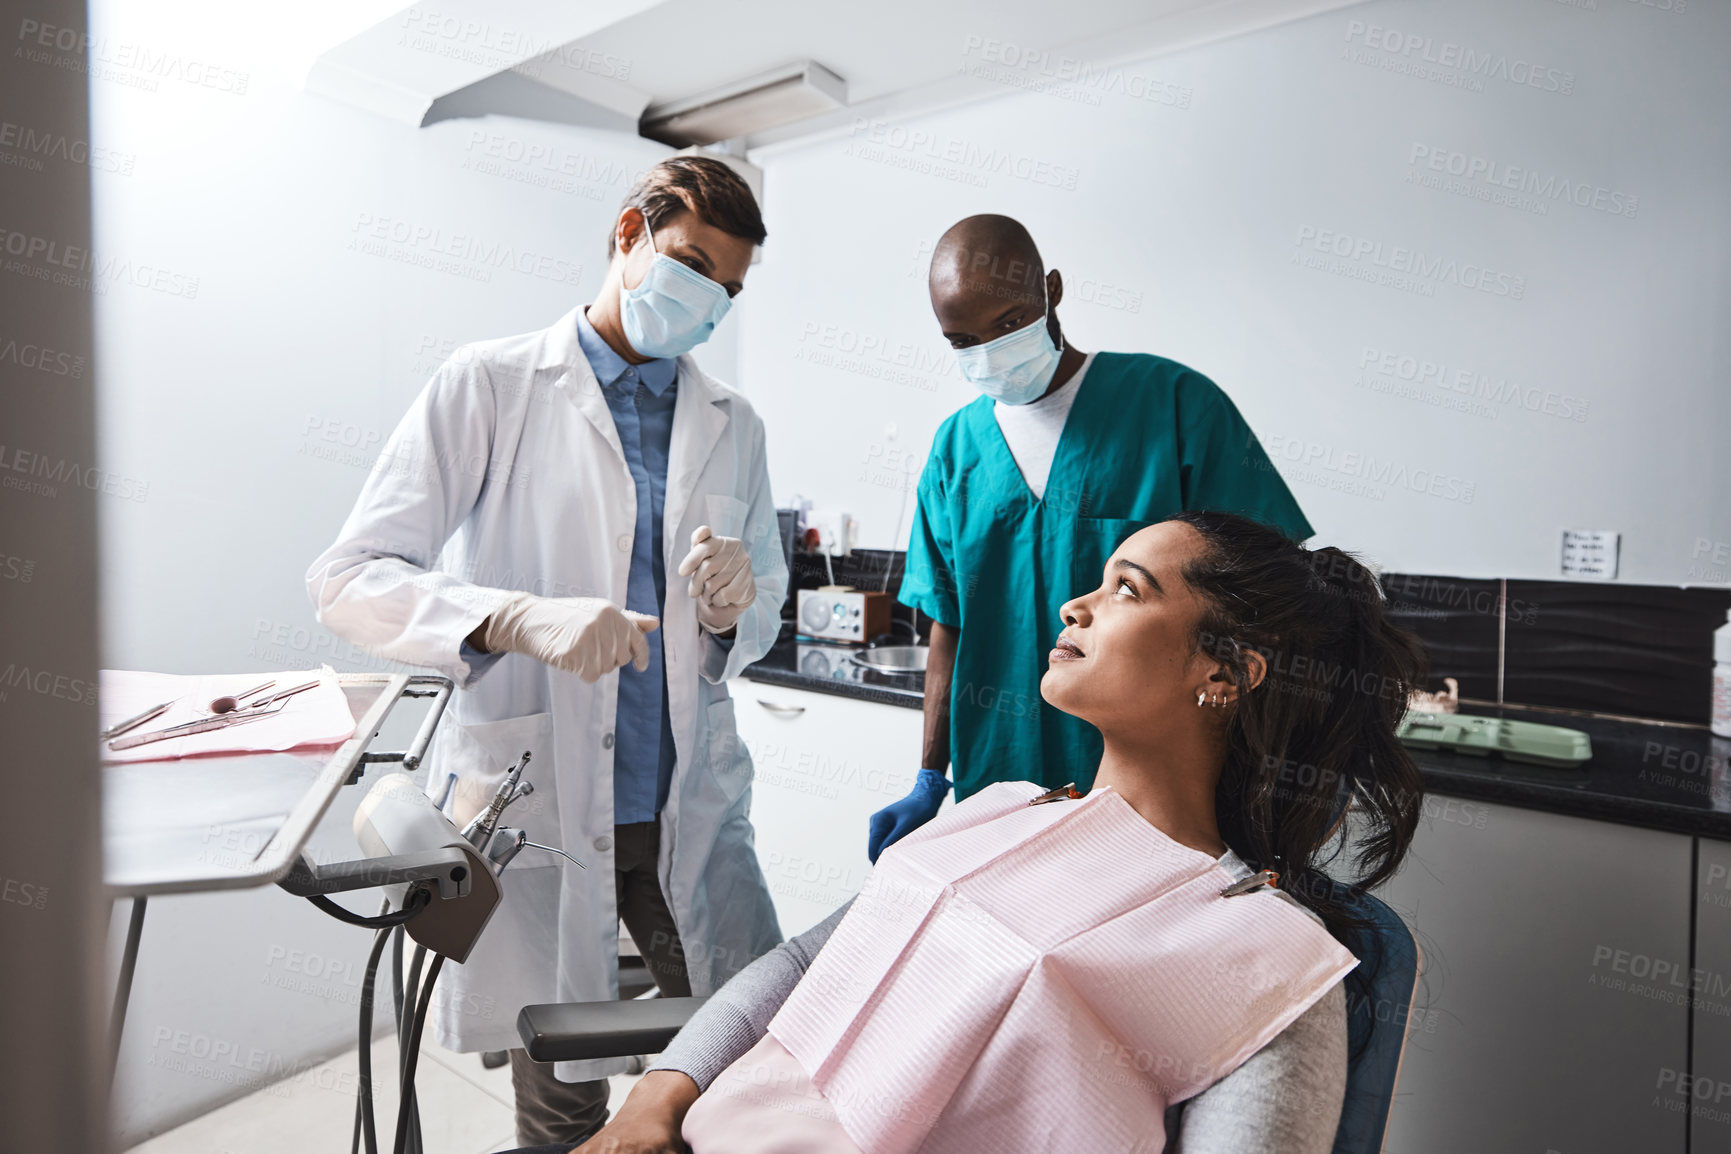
(897, 56)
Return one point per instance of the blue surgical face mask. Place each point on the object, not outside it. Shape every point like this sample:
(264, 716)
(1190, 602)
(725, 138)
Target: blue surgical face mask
(673, 309)
(1017, 367)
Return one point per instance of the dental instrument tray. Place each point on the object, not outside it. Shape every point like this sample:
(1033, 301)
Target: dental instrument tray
(1525, 741)
(240, 818)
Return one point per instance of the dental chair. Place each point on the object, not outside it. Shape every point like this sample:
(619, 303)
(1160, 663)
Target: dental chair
(1379, 997)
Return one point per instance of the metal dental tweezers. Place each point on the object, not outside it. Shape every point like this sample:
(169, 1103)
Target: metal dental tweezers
(221, 721)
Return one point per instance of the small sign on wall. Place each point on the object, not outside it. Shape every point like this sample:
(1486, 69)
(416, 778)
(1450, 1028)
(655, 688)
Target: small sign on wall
(1590, 553)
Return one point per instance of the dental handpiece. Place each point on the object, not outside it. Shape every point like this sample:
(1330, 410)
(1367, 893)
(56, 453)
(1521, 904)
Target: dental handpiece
(510, 841)
(480, 830)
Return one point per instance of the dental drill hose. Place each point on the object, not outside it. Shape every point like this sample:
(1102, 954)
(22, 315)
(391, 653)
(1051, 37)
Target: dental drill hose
(397, 937)
(418, 901)
(408, 1106)
(364, 1126)
(397, 820)
(385, 923)
(414, 1052)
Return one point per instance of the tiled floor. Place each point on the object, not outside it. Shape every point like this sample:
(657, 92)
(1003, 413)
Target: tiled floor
(465, 1109)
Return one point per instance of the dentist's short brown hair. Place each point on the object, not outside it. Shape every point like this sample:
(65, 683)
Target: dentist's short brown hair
(701, 185)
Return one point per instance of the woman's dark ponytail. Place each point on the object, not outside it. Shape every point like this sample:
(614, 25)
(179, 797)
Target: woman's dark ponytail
(1318, 730)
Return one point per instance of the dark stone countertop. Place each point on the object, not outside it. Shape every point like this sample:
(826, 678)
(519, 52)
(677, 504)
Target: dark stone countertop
(825, 668)
(1661, 777)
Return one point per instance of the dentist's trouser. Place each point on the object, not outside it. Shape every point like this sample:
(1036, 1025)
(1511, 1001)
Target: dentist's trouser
(550, 1111)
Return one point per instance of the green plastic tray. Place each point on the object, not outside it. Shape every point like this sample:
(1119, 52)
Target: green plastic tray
(1526, 741)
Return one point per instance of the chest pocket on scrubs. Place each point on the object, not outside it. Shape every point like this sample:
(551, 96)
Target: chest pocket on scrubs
(479, 756)
(729, 763)
(1096, 538)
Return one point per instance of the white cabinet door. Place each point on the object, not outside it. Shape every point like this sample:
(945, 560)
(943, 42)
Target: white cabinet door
(823, 766)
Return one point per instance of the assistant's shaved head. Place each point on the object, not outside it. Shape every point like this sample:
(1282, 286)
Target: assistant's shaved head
(988, 255)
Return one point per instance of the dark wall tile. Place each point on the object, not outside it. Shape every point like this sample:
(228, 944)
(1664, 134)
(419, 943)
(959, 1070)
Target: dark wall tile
(1640, 650)
(1456, 618)
(862, 569)
(1643, 650)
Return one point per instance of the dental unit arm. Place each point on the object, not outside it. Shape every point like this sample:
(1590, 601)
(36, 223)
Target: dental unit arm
(443, 885)
(414, 849)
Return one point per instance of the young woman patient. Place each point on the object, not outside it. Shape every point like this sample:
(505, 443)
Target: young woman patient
(1099, 972)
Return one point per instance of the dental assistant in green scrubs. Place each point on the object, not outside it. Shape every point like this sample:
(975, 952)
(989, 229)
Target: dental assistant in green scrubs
(1026, 493)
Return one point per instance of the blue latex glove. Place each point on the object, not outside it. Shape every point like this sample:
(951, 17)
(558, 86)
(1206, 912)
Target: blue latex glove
(900, 818)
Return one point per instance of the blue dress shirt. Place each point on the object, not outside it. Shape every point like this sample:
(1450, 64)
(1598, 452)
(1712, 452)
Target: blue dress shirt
(641, 399)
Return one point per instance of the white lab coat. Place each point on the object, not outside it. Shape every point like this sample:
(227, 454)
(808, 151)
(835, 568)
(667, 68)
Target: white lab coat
(507, 474)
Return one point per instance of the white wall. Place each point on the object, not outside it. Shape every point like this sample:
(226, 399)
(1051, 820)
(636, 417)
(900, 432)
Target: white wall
(244, 414)
(1182, 224)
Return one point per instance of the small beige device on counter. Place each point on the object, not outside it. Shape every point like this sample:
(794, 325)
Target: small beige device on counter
(842, 613)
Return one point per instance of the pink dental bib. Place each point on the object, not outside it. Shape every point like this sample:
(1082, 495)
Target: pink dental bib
(1044, 978)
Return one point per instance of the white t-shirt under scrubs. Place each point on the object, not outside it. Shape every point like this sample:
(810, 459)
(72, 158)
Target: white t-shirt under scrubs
(1032, 430)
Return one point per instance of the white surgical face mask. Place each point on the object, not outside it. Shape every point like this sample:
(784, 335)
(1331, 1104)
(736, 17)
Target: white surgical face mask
(673, 309)
(1017, 367)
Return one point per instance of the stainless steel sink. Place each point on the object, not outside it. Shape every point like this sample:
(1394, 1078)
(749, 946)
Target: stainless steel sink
(893, 658)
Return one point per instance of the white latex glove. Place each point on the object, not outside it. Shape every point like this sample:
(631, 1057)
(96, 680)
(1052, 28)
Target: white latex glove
(588, 636)
(721, 580)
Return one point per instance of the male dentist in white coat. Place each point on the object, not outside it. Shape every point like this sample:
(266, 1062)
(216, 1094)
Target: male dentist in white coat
(545, 500)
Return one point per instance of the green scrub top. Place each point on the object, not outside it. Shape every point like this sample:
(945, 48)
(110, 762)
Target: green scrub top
(1146, 438)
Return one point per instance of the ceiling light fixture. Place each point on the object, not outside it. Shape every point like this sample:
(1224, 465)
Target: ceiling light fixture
(769, 100)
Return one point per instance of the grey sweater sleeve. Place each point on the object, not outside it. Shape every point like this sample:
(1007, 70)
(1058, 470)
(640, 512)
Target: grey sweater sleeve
(737, 1016)
(1285, 1099)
